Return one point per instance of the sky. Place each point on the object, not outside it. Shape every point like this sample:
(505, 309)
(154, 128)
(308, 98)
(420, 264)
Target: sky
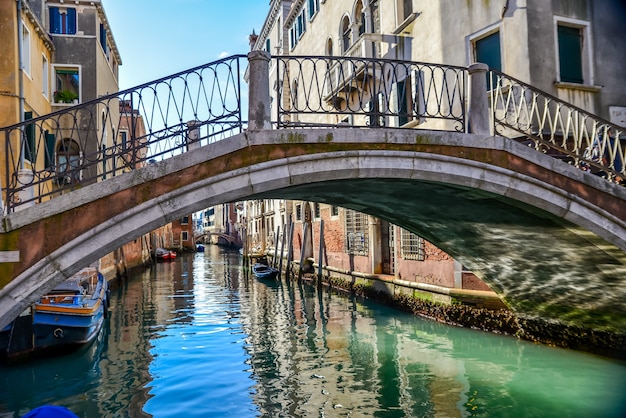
(157, 38)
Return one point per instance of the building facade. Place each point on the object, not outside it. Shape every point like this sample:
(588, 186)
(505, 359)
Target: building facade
(565, 48)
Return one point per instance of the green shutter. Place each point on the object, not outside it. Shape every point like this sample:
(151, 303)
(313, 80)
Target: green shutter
(50, 143)
(488, 51)
(570, 54)
(30, 153)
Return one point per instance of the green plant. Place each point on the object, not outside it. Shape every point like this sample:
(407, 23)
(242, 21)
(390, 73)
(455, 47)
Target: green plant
(65, 96)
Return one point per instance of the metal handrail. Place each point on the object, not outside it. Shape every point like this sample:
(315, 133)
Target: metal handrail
(557, 128)
(55, 153)
(368, 92)
(52, 154)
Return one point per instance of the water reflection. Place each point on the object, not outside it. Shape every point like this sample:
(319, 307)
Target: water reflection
(201, 337)
(314, 353)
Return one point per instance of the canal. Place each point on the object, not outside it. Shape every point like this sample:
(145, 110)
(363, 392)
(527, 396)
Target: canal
(199, 337)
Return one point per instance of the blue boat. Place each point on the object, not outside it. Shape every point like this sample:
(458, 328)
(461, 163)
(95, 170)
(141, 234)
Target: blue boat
(263, 271)
(68, 317)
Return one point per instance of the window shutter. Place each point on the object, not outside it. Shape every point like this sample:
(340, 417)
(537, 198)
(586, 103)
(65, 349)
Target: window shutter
(419, 101)
(570, 54)
(55, 20)
(71, 21)
(30, 153)
(49, 154)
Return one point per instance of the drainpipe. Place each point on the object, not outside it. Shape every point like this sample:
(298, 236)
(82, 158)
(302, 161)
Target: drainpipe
(20, 72)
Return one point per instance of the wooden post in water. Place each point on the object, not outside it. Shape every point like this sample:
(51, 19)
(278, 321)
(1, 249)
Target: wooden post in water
(282, 249)
(320, 260)
(290, 249)
(305, 239)
(275, 246)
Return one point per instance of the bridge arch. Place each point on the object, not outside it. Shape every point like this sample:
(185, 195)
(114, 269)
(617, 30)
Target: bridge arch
(547, 237)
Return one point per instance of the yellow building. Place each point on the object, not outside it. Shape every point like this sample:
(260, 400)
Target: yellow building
(26, 53)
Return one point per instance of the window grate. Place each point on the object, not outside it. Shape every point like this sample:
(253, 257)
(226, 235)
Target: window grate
(357, 237)
(412, 246)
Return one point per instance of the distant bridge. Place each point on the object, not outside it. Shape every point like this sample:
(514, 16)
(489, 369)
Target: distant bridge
(547, 236)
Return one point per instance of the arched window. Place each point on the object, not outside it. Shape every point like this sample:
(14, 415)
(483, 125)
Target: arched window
(329, 46)
(345, 33)
(68, 162)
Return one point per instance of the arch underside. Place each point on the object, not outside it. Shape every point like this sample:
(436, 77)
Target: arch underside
(512, 232)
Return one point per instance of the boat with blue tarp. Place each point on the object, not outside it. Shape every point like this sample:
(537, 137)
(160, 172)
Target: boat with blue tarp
(68, 317)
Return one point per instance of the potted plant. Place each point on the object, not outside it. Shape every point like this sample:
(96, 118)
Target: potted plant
(65, 96)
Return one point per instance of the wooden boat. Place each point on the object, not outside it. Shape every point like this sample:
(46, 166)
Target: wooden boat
(264, 272)
(163, 254)
(68, 317)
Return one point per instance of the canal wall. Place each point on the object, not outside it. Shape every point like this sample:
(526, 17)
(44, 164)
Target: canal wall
(476, 309)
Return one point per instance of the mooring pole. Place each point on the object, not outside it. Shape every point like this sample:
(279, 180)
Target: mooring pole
(321, 252)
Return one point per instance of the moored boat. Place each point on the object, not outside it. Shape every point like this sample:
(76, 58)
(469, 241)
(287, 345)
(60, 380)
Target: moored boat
(68, 317)
(263, 271)
(163, 254)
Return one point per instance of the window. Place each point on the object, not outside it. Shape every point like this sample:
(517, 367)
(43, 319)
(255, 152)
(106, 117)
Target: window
(184, 220)
(316, 210)
(334, 210)
(570, 54)
(45, 77)
(268, 46)
(412, 246)
(103, 39)
(487, 51)
(124, 140)
(357, 236)
(300, 25)
(25, 49)
(68, 162)
(313, 8)
(67, 84)
(345, 33)
(329, 47)
(184, 236)
(299, 212)
(63, 20)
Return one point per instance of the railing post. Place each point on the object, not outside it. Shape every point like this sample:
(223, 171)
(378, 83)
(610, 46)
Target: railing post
(478, 109)
(259, 92)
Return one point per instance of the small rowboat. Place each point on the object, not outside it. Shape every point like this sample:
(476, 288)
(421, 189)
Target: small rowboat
(264, 272)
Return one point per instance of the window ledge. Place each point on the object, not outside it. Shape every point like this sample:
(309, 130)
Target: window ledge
(576, 86)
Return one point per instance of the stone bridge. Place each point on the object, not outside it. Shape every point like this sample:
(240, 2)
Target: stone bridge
(549, 238)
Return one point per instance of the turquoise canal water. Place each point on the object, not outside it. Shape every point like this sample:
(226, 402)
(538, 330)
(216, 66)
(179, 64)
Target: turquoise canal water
(198, 337)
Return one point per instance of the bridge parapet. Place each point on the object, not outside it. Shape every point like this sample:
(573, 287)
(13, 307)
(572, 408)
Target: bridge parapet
(53, 154)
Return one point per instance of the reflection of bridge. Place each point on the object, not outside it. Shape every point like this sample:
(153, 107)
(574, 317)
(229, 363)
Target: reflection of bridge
(547, 236)
(223, 239)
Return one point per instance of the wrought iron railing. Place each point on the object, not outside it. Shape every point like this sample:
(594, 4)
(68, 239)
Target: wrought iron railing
(99, 139)
(557, 128)
(331, 91)
(93, 141)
